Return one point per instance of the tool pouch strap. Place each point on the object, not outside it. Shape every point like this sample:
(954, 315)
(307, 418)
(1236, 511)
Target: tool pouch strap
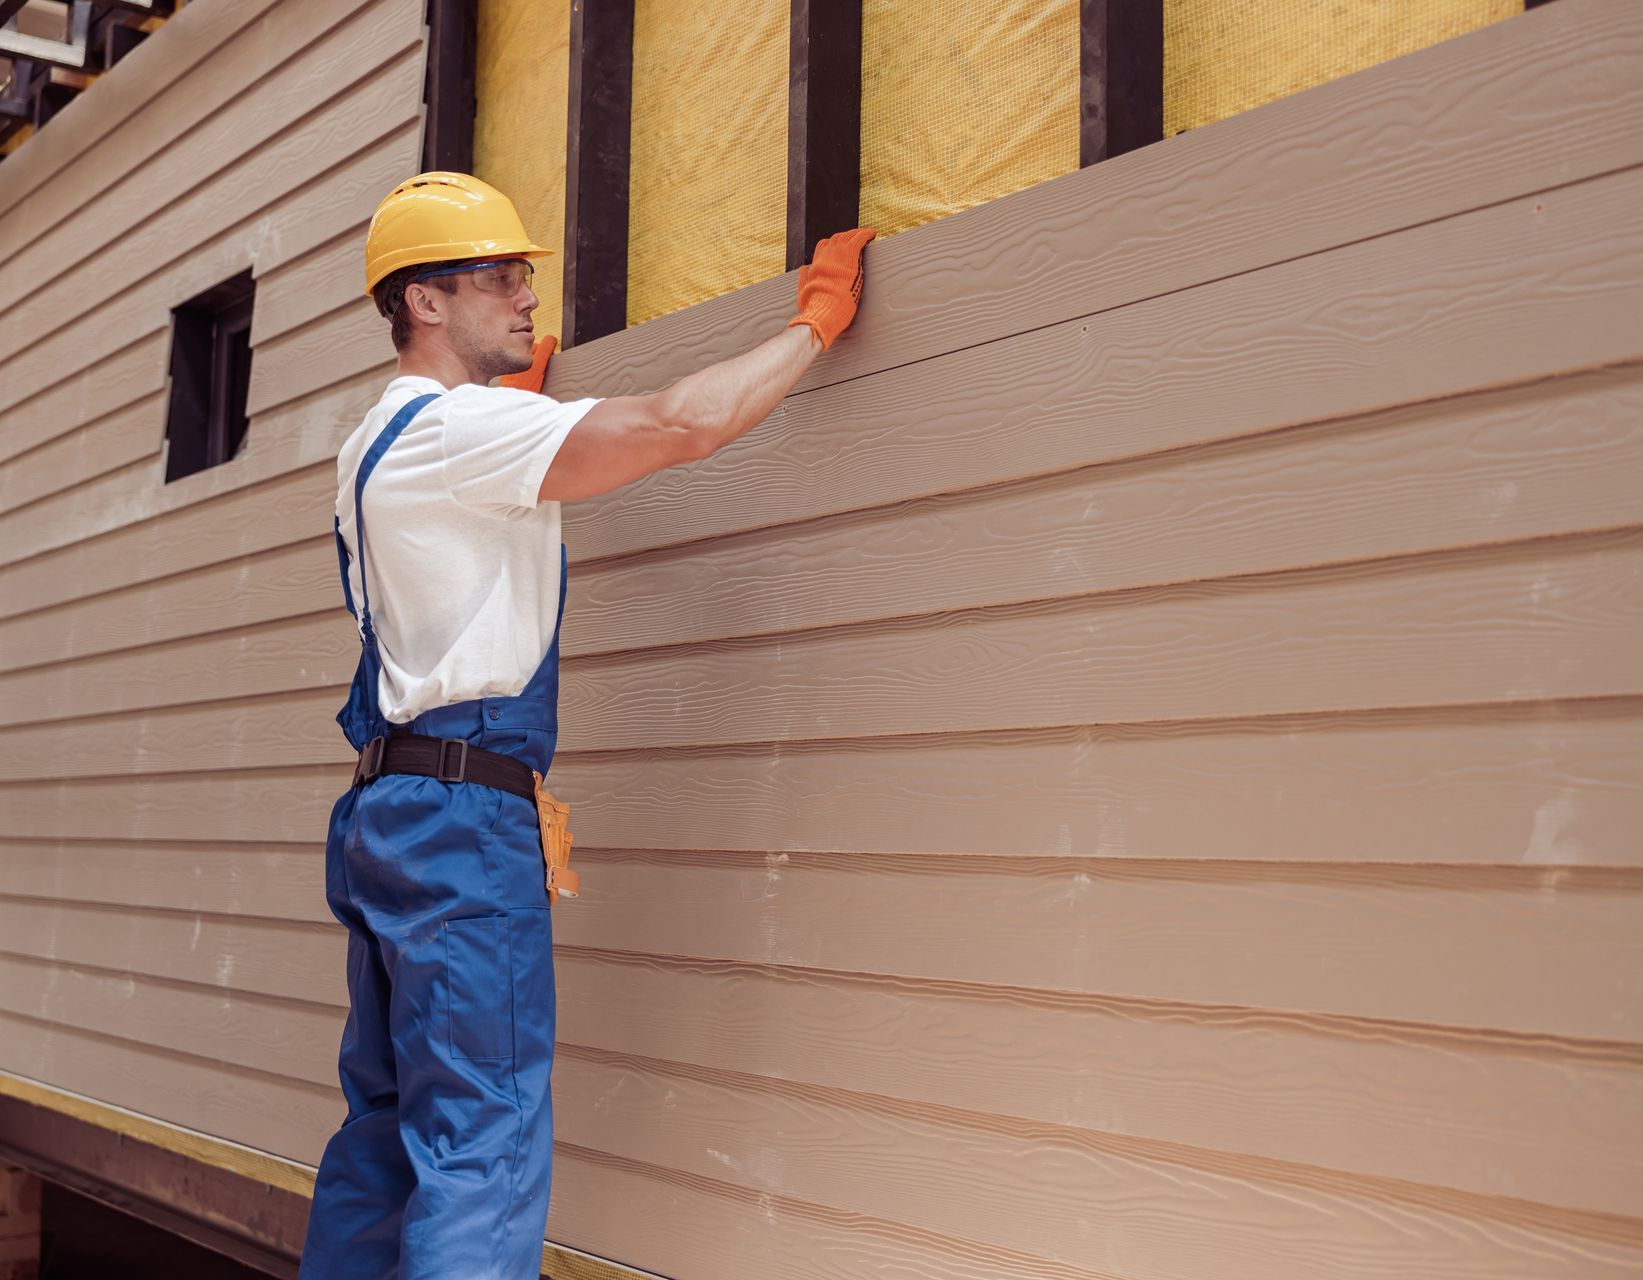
(553, 816)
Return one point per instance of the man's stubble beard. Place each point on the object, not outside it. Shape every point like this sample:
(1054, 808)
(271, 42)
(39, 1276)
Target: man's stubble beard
(485, 360)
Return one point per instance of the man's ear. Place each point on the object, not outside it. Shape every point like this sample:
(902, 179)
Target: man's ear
(423, 303)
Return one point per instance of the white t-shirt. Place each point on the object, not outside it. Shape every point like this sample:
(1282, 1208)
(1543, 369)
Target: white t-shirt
(463, 561)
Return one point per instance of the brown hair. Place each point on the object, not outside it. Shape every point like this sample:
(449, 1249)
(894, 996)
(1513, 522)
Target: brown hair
(389, 296)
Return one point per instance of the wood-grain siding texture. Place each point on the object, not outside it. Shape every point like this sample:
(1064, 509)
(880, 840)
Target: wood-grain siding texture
(1134, 773)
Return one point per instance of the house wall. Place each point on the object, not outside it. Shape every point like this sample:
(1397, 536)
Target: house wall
(1132, 772)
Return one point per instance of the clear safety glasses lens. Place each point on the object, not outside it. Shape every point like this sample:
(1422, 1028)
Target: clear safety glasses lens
(504, 278)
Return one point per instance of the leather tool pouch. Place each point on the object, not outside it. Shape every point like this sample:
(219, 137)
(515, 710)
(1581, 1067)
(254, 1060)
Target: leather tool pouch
(553, 818)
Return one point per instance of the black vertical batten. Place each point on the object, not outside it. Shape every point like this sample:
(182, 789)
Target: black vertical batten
(823, 123)
(598, 130)
(448, 90)
(1121, 77)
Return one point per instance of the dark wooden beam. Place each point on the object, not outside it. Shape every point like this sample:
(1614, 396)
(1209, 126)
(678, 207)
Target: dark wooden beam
(823, 123)
(448, 91)
(1121, 80)
(598, 131)
(8, 8)
(252, 1222)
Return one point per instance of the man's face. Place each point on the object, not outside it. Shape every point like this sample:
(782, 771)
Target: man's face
(487, 326)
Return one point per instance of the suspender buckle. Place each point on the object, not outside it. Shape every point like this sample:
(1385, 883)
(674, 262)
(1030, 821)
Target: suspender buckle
(369, 767)
(461, 774)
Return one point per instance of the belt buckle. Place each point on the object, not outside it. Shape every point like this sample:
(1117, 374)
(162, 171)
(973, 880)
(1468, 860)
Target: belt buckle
(369, 767)
(461, 774)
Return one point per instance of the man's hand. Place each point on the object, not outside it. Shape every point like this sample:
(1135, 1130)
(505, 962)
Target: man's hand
(533, 378)
(830, 287)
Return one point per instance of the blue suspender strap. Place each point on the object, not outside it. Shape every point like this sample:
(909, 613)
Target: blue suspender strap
(373, 455)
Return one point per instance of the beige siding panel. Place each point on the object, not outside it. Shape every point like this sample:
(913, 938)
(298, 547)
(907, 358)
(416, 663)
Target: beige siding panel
(365, 113)
(288, 229)
(1551, 619)
(125, 375)
(1529, 288)
(1541, 951)
(1060, 1195)
(53, 341)
(127, 435)
(91, 146)
(1032, 413)
(305, 433)
(290, 959)
(303, 289)
(1541, 620)
(1134, 774)
(1075, 1198)
(259, 1109)
(292, 92)
(250, 662)
(690, 1218)
(1448, 473)
(256, 517)
(1296, 177)
(696, 1226)
(296, 1040)
(820, 1122)
(308, 359)
(1544, 784)
(271, 585)
(276, 881)
(284, 805)
(1368, 1097)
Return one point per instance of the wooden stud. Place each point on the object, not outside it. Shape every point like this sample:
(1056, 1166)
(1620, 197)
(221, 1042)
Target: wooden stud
(598, 132)
(448, 91)
(823, 123)
(1121, 77)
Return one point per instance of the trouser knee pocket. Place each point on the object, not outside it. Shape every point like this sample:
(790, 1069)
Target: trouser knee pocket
(479, 987)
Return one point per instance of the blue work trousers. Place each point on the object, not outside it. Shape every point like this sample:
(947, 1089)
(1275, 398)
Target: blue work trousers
(441, 1168)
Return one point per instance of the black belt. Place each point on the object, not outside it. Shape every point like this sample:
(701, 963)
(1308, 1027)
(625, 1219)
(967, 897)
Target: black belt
(448, 759)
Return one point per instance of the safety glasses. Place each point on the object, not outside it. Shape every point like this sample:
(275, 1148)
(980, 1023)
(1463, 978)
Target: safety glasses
(504, 278)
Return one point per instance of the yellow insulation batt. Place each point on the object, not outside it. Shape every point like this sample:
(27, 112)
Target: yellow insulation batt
(1226, 56)
(963, 103)
(707, 184)
(523, 90)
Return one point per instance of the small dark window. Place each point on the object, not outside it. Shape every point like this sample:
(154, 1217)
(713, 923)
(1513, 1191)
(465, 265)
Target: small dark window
(210, 371)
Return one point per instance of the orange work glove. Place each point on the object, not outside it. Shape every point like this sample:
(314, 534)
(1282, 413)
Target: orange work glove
(830, 286)
(533, 378)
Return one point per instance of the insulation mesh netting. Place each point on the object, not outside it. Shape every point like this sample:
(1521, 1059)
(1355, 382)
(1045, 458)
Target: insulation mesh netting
(1226, 56)
(522, 86)
(708, 179)
(962, 103)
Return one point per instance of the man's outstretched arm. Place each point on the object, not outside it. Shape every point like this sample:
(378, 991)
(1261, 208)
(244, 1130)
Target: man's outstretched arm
(627, 437)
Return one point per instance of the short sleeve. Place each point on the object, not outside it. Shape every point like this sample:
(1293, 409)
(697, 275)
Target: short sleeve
(499, 443)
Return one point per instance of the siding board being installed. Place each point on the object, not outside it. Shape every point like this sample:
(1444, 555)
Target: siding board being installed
(1132, 773)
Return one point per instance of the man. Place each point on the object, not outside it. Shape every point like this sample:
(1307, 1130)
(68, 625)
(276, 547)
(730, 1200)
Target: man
(434, 858)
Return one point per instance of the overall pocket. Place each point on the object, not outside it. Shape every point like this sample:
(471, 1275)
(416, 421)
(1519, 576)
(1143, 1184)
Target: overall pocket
(479, 983)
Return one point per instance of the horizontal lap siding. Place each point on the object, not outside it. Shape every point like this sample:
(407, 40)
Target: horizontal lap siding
(1133, 772)
(255, 135)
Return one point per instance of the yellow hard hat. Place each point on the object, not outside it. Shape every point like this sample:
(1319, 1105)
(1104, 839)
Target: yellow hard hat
(438, 216)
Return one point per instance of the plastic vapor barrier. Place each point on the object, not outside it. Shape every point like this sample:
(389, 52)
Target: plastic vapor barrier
(708, 184)
(963, 103)
(1226, 56)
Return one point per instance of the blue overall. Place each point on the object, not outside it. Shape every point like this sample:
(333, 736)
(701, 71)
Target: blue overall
(441, 1167)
